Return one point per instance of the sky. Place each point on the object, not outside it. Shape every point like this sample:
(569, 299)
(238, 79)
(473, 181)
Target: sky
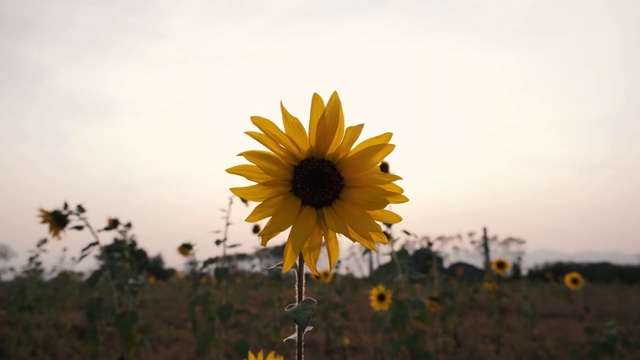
(522, 116)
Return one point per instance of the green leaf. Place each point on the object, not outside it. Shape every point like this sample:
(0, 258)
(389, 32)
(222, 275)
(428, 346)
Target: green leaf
(80, 209)
(301, 313)
(295, 334)
(77, 227)
(232, 246)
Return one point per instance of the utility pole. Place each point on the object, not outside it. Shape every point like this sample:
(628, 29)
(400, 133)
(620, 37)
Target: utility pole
(485, 249)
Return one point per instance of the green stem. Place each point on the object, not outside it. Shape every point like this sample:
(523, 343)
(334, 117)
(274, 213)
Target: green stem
(299, 298)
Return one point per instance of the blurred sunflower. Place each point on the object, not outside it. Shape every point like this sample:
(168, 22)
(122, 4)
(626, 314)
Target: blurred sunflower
(112, 224)
(433, 304)
(380, 298)
(186, 249)
(491, 286)
(260, 356)
(500, 266)
(574, 280)
(152, 280)
(318, 184)
(56, 219)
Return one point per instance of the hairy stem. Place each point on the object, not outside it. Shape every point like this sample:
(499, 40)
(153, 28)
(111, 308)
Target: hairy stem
(299, 298)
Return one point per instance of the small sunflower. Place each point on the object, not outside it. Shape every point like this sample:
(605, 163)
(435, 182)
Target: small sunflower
(185, 249)
(260, 356)
(433, 304)
(380, 298)
(500, 266)
(491, 286)
(112, 224)
(56, 219)
(319, 184)
(151, 280)
(574, 280)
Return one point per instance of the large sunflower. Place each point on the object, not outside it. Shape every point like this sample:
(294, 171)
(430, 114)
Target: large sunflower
(318, 184)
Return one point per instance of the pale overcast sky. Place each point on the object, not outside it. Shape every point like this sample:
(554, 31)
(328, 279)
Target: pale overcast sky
(523, 116)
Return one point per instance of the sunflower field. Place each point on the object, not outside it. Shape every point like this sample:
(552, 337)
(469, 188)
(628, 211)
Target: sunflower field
(391, 294)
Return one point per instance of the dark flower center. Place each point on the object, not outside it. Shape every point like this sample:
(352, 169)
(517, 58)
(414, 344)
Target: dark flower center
(381, 297)
(501, 265)
(317, 182)
(575, 281)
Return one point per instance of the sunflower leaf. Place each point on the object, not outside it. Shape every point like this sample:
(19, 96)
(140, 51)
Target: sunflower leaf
(295, 334)
(301, 313)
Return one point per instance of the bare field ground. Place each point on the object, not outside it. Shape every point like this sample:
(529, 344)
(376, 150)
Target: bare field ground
(523, 321)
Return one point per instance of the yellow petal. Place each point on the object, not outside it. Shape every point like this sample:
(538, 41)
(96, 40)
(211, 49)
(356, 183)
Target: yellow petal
(284, 216)
(364, 198)
(333, 248)
(333, 221)
(299, 235)
(270, 164)
(282, 153)
(266, 208)
(364, 241)
(397, 199)
(373, 177)
(376, 140)
(385, 216)
(357, 219)
(293, 127)
(271, 130)
(260, 192)
(317, 107)
(350, 136)
(250, 172)
(328, 126)
(264, 239)
(251, 356)
(311, 249)
(364, 160)
(271, 356)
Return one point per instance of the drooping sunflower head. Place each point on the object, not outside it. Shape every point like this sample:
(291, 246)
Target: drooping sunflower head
(318, 184)
(112, 224)
(500, 266)
(56, 219)
(260, 356)
(380, 298)
(186, 249)
(574, 280)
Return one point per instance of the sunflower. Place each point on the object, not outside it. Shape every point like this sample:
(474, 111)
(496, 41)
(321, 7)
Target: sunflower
(500, 266)
(574, 280)
(433, 304)
(491, 286)
(186, 249)
(56, 219)
(260, 356)
(380, 298)
(112, 224)
(317, 184)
